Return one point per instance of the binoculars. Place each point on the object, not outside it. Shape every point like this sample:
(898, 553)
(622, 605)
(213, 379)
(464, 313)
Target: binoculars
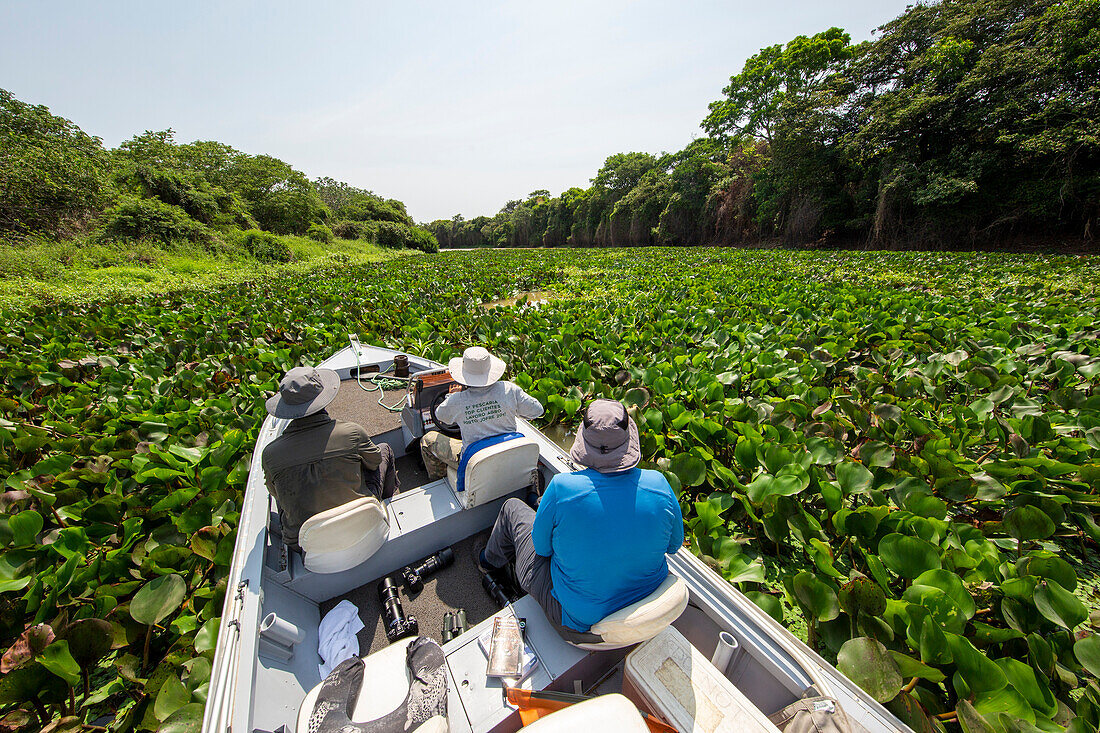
(453, 624)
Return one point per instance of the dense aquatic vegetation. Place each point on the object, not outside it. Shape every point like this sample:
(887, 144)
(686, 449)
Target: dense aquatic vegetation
(58, 182)
(960, 122)
(900, 451)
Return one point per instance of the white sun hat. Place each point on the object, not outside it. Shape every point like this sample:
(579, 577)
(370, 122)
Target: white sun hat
(476, 367)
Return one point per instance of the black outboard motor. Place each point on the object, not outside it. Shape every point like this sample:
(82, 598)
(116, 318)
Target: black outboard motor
(398, 625)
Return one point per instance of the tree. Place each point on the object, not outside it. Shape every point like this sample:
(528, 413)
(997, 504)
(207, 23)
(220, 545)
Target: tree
(52, 174)
(774, 77)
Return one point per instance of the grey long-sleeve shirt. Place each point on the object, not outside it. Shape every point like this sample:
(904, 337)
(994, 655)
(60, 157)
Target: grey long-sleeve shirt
(315, 465)
(482, 412)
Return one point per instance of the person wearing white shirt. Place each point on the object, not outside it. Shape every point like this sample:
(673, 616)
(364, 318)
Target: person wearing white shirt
(481, 404)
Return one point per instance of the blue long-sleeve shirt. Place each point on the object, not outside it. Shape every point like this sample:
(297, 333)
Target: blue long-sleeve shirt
(606, 536)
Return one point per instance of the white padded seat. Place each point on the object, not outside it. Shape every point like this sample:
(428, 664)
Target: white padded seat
(496, 471)
(385, 685)
(642, 620)
(344, 536)
(612, 712)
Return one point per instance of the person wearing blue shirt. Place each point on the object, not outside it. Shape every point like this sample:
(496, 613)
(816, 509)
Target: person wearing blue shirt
(598, 540)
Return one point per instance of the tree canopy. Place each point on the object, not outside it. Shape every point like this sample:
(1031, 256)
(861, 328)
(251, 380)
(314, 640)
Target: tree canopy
(58, 181)
(961, 123)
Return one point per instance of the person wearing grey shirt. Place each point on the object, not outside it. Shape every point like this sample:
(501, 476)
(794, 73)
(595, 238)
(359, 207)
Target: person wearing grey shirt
(319, 463)
(481, 404)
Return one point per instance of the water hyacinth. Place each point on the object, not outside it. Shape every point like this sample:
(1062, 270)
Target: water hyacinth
(897, 454)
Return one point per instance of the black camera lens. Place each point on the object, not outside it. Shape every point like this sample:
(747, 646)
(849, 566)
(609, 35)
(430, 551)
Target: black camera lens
(398, 625)
(495, 590)
(413, 575)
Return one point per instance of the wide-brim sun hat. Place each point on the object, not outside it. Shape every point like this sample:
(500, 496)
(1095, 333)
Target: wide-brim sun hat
(304, 391)
(476, 367)
(607, 439)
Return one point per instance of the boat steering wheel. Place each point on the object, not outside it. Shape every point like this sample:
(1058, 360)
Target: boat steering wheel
(448, 429)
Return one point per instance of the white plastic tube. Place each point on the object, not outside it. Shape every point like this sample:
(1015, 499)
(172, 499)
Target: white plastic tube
(280, 631)
(724, 651)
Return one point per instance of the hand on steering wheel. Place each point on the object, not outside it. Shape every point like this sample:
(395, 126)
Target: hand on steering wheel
(446, 428)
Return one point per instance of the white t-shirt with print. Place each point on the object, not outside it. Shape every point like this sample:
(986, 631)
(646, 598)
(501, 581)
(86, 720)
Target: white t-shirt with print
(482, 412)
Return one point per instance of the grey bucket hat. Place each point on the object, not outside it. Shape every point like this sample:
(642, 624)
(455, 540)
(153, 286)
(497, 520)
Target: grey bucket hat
(304, 391)
(607, 439)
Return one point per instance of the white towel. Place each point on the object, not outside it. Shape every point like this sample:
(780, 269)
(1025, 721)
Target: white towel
(336, 636)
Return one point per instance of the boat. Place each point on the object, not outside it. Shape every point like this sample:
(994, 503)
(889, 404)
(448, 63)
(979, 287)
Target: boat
(266, 661)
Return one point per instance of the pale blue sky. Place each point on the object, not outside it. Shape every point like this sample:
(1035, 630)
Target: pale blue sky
(452, 107)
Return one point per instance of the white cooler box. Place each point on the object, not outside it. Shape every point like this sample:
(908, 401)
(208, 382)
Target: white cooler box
(668, 677)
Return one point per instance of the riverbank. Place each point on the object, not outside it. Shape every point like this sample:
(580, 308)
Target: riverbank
(40, 272)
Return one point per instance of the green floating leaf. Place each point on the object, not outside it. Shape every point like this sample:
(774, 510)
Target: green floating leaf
(690, 469)
(769, 603)
(971, 721)
(854, 478)
(157, 599)
(952, 586)
(909, 667)
(664, 386)
(1035, 691)
(636, 397)
(862, 595)
(766, 485)
(816, 597)
(187, 719)
(172, 696)
(89, 640)
(57, 659)
(207, 636)
(979, 672)
(1087, 651)
(1046, 565)
(1004, 702)
(908, 556)
(25, 527)
(869, 664)
(875, 454)
(739, 569)
(1059, 605)
(1028, 523)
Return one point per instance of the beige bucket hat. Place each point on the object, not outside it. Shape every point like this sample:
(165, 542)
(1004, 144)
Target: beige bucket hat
(476, 367)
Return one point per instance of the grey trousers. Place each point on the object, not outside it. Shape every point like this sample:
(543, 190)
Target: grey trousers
(511, 542)
(382, 482)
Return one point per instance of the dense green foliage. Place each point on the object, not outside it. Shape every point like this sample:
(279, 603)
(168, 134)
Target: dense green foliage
(903, 450)
(51, 173)
(57, 181)
(963, 122)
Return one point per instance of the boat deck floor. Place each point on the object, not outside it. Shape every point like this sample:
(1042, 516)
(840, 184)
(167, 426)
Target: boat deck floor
(359, 406)
(458, 586)
(410, 472)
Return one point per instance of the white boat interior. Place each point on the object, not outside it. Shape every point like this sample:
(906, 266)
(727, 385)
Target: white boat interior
(266, 662)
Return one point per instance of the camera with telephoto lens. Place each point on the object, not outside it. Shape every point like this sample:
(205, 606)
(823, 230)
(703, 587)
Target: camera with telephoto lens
(398, 625)
(414, 574)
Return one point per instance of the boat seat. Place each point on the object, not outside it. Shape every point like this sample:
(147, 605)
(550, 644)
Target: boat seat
(641, 620)
(344, 536)
(386, 680)
(496, 471)
(606, 712)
